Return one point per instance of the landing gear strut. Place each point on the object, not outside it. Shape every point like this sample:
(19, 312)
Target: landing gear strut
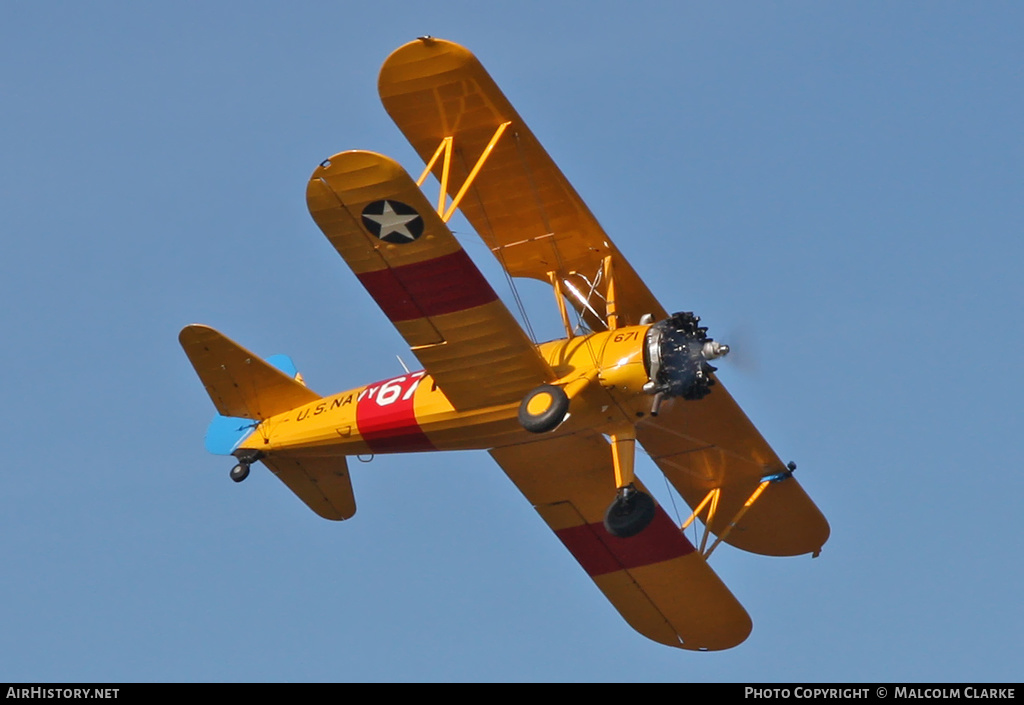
(630, 513)
(632, 509)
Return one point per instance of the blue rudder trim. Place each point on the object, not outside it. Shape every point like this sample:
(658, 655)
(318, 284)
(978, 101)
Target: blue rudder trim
(225, 433)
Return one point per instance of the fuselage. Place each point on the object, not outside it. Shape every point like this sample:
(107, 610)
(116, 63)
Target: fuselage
(603, 374)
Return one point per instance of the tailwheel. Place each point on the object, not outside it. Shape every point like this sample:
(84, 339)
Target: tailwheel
(246, 457)
(630, 513)
(543, 409)
(240, 472)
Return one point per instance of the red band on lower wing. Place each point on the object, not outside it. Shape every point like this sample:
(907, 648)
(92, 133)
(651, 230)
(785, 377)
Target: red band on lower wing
(599, 552)
(444, 284)
(386, 417)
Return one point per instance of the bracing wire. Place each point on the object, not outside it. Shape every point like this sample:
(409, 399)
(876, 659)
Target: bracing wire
(499, 253)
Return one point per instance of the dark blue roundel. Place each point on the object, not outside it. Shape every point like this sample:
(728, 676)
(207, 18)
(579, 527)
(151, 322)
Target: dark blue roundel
(393, 221)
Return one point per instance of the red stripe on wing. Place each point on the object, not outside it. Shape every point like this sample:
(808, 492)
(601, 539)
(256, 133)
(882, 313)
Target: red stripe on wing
(441, 285)
(599, 552)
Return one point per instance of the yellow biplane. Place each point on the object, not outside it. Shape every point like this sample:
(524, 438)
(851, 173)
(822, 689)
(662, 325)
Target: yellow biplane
(561, 418)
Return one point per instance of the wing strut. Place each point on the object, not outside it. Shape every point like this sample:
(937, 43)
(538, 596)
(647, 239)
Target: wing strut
(710, 502)
(556, 284)
(445, 148)
(611, 318)
(611, 312)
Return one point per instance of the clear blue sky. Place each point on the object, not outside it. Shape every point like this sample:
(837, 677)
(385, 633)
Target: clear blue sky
(835, 187)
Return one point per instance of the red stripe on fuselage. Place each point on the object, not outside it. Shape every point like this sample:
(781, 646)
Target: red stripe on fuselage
(444, 284)
(386, 417)
(599, 552)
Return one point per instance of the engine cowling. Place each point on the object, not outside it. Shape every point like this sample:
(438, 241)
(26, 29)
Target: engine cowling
(676, 354)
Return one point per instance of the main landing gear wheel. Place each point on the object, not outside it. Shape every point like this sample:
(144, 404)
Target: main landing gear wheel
(240, 472)
(543, 409)
(630, 513)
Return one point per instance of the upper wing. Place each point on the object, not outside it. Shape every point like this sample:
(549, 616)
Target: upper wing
(711, 444)
(536, 224)
(656, 580)
(381, 224)
(520, 202)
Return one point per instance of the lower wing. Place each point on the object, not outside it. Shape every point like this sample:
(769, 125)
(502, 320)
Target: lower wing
(656, 580)
(709, 449)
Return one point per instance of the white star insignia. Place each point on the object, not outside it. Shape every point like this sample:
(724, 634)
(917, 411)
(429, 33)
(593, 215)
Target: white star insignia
(391, 222)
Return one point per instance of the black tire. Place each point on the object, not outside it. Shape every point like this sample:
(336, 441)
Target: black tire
(239, 472)
(543, 409)
(630, 513)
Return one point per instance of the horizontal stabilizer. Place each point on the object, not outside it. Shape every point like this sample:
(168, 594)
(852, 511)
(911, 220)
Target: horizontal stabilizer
(322, 483)
(238, 381)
